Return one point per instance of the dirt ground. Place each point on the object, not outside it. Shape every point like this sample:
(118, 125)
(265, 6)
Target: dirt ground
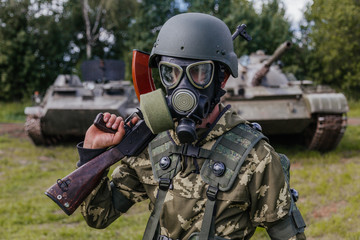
(13, 129)
(354, 121)
(17, 129)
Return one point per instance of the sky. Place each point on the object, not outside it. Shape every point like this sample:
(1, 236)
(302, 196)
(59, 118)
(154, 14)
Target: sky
(295, 10)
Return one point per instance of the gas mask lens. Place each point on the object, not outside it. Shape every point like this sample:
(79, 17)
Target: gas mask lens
(200, 74)
(170, 74)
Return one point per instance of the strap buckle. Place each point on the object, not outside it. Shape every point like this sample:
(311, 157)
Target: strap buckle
(190, 151)
(212, 192)
(164, 183)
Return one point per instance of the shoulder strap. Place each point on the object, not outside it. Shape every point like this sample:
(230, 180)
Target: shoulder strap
(222, 168)
(165, 165)
(230, 152)
(163, 161)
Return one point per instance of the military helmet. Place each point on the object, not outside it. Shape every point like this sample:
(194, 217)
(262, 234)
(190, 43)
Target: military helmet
(196, 36)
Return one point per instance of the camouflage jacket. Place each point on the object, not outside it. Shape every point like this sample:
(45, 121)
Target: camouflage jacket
(259, 196)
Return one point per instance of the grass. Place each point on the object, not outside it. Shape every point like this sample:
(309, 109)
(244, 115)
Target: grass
(13, 112)
(329, 190)
(354, 108)
(328, 185)
(26, 172)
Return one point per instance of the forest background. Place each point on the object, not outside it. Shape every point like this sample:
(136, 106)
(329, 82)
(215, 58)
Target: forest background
(40, 39)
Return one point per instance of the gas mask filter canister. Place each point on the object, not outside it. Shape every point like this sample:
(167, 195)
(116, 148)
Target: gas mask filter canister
(156, 112)
(158, 118)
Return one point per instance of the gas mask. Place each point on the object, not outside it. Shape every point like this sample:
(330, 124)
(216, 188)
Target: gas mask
(190, 88)
(193, 90)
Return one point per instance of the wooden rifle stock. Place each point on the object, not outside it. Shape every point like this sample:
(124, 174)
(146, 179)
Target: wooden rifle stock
(70, 191)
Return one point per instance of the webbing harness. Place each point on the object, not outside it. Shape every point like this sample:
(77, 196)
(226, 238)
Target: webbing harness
(220, 169)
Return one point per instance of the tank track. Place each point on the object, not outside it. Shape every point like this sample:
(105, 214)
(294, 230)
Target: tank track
(326, 132)
(33, 130)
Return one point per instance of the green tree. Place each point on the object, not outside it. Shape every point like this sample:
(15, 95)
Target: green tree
(118, 19)
(32, 47)
(41, 39)
(217, 8)
(108, 34)
(334, 34)
(150, 15)
(273, 28)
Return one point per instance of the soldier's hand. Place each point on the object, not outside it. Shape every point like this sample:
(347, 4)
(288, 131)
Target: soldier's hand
(95, 138)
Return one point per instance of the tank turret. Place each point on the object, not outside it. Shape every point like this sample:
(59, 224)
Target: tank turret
(256, 81)
(285, 107)
(71, 104)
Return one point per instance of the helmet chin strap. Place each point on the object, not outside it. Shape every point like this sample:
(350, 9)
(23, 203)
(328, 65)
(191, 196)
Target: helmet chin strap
(219, 91)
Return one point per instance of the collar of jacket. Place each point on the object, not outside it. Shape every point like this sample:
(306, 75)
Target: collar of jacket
(226, 122)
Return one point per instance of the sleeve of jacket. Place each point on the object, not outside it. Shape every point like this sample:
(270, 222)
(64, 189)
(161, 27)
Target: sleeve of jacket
(86, 154)
(270, 194)
(107, 201)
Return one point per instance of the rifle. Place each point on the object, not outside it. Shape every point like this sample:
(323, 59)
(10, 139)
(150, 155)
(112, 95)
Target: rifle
(70, 191)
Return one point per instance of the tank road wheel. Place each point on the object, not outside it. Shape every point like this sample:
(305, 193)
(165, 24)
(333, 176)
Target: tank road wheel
(33, 130)
(325, 133)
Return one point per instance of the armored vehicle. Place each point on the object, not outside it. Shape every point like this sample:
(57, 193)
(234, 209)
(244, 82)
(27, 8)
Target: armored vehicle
(285, 106)
(70, 105)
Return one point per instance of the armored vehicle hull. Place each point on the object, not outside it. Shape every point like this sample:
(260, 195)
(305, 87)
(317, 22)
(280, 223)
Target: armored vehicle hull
(70, 106)
(315, 115)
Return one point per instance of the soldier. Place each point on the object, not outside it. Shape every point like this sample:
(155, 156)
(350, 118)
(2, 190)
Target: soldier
(215, 176)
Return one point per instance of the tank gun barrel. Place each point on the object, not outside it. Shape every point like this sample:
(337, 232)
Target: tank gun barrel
(265, 68)
(278, 52)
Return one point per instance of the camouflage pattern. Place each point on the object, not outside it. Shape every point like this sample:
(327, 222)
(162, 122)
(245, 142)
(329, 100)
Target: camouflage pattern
(259, 196)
